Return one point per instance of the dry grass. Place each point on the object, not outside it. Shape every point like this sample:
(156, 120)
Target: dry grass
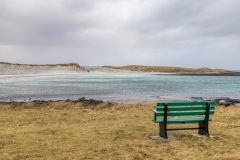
(170, 69)
(69, 131)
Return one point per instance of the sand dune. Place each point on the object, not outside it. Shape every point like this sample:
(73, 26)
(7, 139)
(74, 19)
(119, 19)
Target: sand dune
(18, 69)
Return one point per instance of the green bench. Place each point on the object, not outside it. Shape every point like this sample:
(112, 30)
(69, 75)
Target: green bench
(183, 112)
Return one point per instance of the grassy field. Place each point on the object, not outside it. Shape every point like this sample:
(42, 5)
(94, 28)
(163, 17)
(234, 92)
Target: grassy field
(66, 130)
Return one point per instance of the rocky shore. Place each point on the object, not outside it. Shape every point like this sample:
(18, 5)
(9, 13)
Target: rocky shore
(222, 101)
(225, 101)
(39, 103)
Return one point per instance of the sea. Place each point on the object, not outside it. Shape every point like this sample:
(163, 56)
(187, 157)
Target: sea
(117, 87)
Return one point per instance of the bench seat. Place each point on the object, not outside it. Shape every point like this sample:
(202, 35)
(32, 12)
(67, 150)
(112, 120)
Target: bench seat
(182, 120)
(191, 112)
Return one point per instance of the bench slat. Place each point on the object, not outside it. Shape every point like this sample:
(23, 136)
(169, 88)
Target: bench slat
(185, 103)
(185, 108)
(183, 113)
(182, 120)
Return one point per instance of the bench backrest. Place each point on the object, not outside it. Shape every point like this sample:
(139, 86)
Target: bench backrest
(185, 108)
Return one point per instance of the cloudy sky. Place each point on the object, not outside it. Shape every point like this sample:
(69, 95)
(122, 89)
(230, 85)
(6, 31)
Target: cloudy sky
(186, 33)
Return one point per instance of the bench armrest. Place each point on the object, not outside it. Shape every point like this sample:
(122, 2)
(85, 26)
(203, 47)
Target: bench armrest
(155, 111)
(155, 116)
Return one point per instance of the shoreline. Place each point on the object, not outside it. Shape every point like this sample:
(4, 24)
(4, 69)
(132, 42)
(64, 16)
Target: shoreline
(204, 74)
(115, 72)
(225, 101)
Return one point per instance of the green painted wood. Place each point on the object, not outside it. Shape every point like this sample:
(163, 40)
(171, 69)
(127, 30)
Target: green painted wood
(182, 120)
(185, 103)
(183, 113)
(185, 108)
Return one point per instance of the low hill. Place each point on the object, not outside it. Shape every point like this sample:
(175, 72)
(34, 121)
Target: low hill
(169, 69)
(14, 68)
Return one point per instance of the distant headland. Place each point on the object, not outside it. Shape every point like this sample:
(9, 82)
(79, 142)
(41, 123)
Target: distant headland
(16, 69)
(171, 69)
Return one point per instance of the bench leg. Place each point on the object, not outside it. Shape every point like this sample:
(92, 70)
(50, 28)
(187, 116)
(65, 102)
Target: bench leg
(203, 129)
(162, 130)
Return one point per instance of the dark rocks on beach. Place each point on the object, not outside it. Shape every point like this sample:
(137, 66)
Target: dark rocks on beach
(89, 101)
(225, 101)
(197, 98)
(81, 100)
(40, 103)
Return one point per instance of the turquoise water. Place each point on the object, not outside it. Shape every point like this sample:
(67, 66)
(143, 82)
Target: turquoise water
(119, 87)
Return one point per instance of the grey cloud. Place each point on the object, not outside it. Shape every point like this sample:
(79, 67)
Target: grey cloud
(201, 18)
(120, 32)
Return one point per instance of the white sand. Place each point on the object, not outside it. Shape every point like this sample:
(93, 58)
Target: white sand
(119, 71)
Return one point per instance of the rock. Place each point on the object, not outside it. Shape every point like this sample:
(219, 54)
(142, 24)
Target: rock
(226, 103)
(233, 100)
(197, 98)
(82, 99)
(89, 101)
(221, 102)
